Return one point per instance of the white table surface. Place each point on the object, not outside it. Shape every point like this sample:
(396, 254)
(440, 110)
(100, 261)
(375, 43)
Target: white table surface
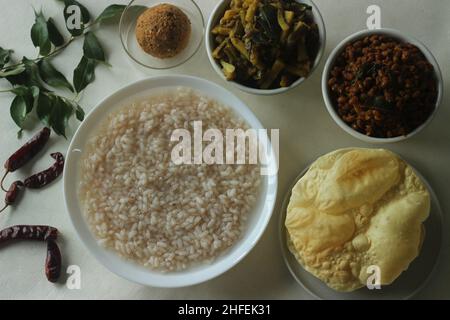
(306, 132)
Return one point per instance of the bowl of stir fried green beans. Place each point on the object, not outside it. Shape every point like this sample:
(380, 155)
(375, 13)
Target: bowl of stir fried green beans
(265, 47)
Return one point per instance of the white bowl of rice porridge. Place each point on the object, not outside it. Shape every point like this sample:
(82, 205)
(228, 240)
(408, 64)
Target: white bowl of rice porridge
(146, 216)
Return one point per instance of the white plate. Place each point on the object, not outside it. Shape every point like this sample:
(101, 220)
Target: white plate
(406, 286)
(257, 219)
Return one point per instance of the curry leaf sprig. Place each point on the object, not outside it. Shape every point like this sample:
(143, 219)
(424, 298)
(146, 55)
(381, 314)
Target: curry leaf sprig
(32, 80)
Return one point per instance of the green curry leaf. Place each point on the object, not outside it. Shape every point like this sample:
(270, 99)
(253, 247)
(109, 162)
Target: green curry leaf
(40, 35)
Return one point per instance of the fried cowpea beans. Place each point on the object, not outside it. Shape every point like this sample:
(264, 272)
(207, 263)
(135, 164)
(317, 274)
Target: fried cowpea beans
(383, 87)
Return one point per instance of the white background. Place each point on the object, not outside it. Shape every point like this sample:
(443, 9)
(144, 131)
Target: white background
(307, 131)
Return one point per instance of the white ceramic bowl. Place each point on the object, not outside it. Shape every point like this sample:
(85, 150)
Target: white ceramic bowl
(214, 18)
(359, 35)
(257, 219)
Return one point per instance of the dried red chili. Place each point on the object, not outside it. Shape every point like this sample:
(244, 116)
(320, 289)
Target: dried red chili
(12, 193)
(26, 153)
(23, 232)
(45, 177)
(53, 262)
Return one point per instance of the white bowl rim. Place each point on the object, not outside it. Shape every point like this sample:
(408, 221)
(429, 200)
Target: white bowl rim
(265, 92)
(147, 276)
(395, 34)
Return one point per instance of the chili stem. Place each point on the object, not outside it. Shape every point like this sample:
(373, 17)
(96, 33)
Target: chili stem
(3, 209)
(3, 179)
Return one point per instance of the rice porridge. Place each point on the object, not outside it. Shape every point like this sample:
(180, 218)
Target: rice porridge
(149, 210)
